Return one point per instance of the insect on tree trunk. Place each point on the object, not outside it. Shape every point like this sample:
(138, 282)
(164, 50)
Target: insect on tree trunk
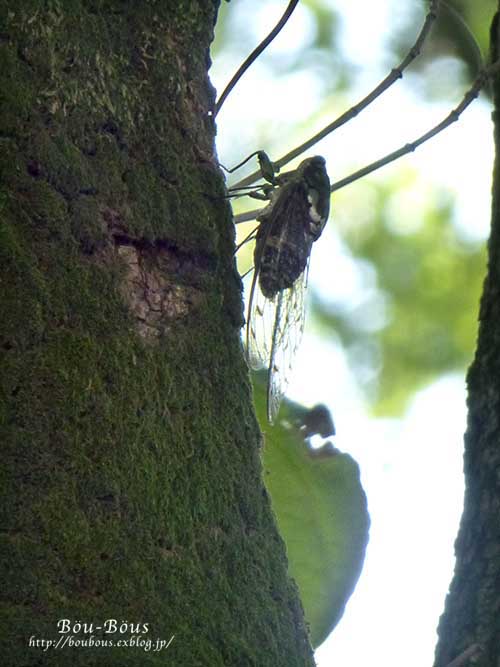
(469, 630)
(132, 486)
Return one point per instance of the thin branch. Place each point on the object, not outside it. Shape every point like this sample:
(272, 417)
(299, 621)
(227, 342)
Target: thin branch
(453, 116)
(392, 77)
(247, 238)
(255, 54)
(240, 164)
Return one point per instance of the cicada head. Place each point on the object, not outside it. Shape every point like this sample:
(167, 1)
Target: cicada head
(313, 172)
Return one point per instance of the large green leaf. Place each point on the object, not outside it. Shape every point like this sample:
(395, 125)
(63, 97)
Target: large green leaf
(322, 514)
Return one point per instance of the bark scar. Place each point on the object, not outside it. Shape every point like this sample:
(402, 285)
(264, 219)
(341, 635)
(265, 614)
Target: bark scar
(162, 283)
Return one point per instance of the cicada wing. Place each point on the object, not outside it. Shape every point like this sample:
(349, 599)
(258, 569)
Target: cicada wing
(260, 326)
(261, 311)
(288, 327)
(275, 323)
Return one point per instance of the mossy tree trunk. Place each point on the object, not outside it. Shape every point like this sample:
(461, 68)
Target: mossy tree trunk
(470, 626)
(132, 475)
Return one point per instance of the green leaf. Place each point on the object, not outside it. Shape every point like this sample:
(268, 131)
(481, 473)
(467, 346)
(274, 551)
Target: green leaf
(322, 514)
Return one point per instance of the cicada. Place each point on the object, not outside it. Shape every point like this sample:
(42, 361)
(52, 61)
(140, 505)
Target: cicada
(297, 212)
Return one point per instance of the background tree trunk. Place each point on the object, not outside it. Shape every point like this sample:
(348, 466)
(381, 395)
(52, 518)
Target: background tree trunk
(132, 476)
(472, 615)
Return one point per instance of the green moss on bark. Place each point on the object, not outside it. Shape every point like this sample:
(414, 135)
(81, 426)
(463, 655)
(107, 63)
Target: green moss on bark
(131, 465)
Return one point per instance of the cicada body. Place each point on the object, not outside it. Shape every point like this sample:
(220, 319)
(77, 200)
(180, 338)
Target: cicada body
(289, 225)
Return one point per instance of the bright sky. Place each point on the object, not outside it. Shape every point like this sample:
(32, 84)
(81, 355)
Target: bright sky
(392, 617)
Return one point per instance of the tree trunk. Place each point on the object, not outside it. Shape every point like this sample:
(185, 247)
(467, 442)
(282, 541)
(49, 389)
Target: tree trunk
(470, 625)
(132, 471)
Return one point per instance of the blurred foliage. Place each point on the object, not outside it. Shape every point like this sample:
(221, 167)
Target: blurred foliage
(461, 31)
(418, 318)
(321, 510)
(474, 17)
(322, 53)
(430, 279)
(324, 27)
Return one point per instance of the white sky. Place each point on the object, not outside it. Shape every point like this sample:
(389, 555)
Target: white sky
(406, 464)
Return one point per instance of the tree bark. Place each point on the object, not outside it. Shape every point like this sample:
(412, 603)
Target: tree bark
(132, 473)
(470, 625)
